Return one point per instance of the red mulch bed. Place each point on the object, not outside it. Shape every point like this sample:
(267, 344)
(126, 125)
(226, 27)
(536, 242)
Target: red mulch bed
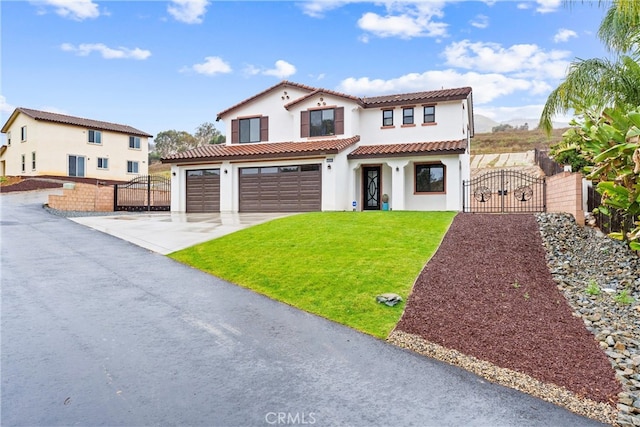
(488, 293)
(30, 184)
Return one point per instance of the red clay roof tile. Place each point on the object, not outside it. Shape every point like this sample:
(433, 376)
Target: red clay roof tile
(394, 150)
(263, 150)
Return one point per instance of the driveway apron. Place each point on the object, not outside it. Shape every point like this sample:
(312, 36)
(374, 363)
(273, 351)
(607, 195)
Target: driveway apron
(98, 331)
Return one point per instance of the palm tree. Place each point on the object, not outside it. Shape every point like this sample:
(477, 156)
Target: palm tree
(598, 83)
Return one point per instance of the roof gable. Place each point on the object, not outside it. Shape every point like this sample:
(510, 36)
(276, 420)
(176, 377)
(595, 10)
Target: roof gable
(46, 116)
(323, 92)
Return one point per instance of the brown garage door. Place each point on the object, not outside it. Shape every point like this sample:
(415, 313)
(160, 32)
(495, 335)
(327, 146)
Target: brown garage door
(203, 190)
(281, 189)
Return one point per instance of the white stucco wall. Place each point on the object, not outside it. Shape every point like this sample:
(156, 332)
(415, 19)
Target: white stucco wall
(54, 142)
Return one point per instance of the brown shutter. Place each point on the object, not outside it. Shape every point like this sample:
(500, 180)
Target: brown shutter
(235, 131)
(339, 118)
(304, 124)
(264, 128)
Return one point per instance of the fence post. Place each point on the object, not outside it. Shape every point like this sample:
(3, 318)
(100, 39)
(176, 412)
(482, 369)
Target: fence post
(115, 197)
(148, 193)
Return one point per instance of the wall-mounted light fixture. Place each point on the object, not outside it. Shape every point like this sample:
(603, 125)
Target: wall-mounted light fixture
(226, 171)
(329, 167)
(397, 169)
(173, 173)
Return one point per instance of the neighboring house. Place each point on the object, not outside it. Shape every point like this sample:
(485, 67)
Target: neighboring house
(294, 148)
(42, 143)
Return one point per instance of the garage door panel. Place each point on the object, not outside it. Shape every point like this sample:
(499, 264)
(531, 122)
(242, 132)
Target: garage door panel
(281, 189)
(203, 190)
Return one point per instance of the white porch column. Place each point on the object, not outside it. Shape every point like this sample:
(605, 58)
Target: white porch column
(351, 185)
(397, 183)
(177, 184)
(227, 196)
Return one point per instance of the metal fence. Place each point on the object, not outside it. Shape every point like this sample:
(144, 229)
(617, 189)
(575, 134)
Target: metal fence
(549, 166)
(616, 222)
(143, 193)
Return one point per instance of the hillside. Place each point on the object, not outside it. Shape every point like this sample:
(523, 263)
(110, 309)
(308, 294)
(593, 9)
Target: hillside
(514, 141)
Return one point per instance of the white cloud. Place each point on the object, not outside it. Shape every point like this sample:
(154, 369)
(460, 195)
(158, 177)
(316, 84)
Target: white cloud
(78, 10)
(547, 6)
(282, 70)
(188, 11)
(525, 60)
(564, 35)
(211, 66)
(480, 21)
(406, 20)
(523, 6)
(5, 107)
(486, 87)
(317, 8)
(85, 49)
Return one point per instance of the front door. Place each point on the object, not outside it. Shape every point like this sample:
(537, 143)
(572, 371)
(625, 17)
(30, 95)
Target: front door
(371, 187)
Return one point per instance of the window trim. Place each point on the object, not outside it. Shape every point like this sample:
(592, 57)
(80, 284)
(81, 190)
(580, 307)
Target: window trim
(404, 116)
(84, 165)
(24, 163)
(8, 138)
(135, 139)
(322, 135)
(429, 164)
(33, 160)
(102, 160)
(95, 132)
(137, 164)
(258, 119)
(23, 133)
(384, 125)
(424, 116)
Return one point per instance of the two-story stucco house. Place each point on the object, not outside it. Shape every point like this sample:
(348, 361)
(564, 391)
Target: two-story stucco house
(294, 148)
(40, 143)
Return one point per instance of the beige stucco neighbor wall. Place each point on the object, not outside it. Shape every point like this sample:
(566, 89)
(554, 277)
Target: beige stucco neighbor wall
(564, 194)
(84, 197)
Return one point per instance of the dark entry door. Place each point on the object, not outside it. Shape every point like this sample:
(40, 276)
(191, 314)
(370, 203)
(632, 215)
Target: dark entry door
(371, 187)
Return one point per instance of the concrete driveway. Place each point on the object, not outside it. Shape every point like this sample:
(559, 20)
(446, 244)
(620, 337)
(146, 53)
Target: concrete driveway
(168, 232)
(97, 331)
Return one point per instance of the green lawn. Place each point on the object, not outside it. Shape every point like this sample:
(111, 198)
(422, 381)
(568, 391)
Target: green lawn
(329, 263)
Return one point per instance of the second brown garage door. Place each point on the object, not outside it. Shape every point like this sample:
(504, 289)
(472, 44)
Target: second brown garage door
(203, 190)
(281, 189)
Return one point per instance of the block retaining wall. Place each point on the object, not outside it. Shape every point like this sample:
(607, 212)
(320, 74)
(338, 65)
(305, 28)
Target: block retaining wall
(84, 197)
(564, 194)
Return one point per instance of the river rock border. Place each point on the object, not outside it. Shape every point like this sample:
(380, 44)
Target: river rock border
(595, 273)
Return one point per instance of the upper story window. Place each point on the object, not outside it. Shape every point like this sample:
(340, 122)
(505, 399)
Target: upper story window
(429, 178)
(429, 114)
(134, 142)
(322, 122)
(95, 137)
(387, 117)
(407, 116)
(8, 138)
(250, 130)
(23, 133)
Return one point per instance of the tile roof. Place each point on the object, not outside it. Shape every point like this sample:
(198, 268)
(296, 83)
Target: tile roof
(75, 121)
(396, 150)
(283, 84)
(366, 102)
(262, 150)
(429, 96)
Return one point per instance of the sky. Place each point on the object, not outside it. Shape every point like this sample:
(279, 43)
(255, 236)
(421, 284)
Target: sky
(173, 65)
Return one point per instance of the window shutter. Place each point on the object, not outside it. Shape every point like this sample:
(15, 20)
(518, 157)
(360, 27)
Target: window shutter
(264, 128)
(304, 124)
(235, 131)
(339, 118)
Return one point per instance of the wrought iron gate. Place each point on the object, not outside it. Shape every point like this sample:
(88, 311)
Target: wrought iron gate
(143, 193)
(504, 191)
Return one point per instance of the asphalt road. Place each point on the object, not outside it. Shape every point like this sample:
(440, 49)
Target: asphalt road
(98, 331)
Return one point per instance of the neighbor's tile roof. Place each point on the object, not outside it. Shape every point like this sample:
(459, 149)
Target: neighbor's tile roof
(75, 121)
(429, 96)
(395, 150)
(262, 150)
